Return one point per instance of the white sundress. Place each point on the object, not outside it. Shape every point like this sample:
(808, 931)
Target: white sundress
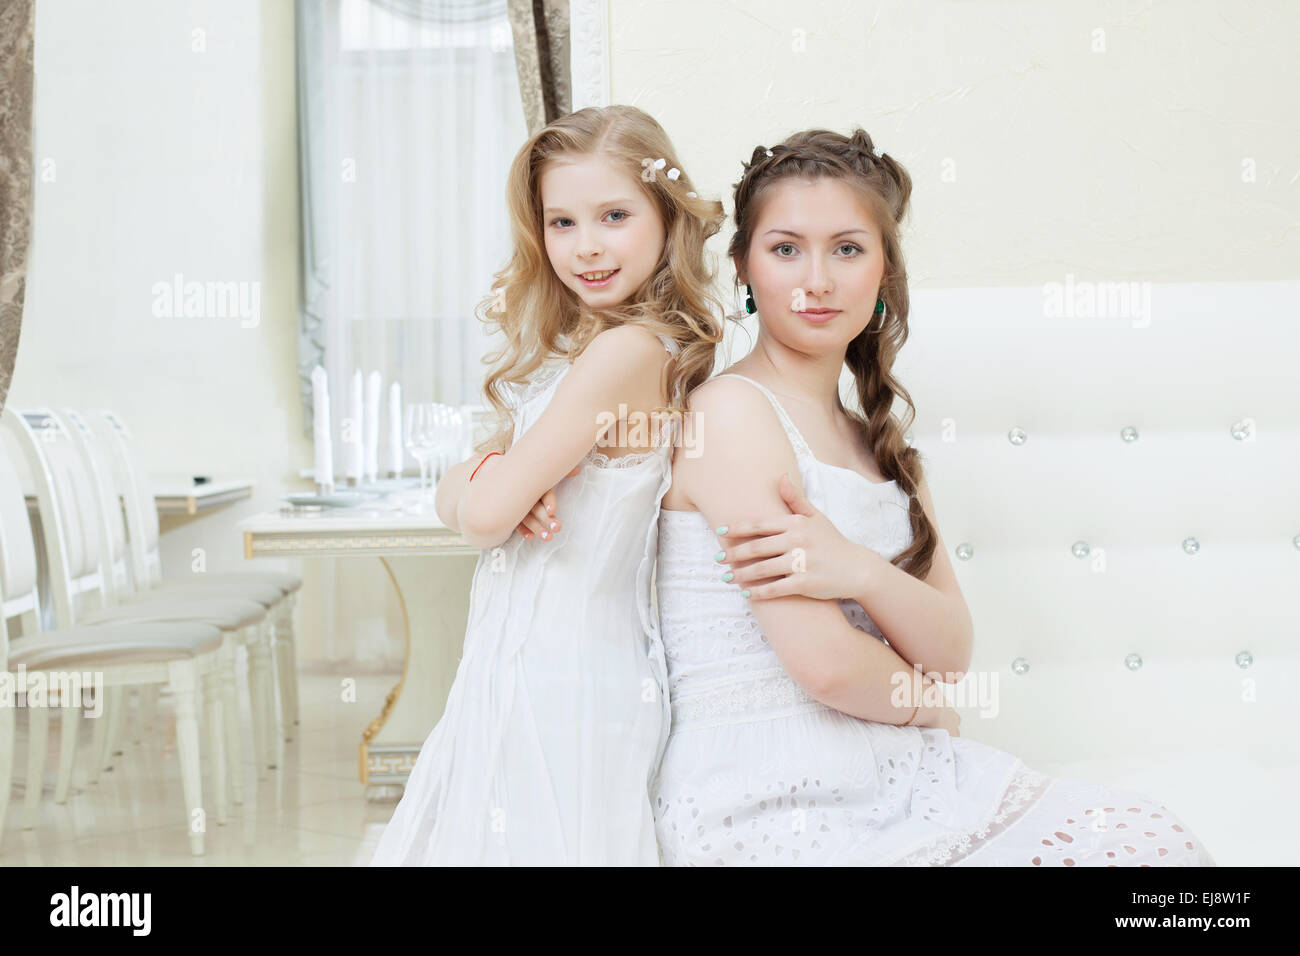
(558, 714)
(757, 772)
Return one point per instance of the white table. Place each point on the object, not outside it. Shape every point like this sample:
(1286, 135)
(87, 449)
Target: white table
(182, 496)
(423, 558)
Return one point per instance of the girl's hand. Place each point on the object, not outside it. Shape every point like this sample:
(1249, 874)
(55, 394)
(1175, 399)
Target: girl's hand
(949, 720)
(542, 521)
(939, 714)
(797, 553)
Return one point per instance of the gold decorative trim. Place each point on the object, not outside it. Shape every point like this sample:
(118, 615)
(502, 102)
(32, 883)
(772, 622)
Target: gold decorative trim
(406, 663)
(375, 725)
(388, 764)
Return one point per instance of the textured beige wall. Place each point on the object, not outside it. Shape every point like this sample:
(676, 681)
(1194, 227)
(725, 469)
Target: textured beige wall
(1130, 140)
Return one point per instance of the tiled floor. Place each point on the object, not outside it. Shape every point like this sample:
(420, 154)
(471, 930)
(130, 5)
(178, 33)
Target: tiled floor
(310, 811)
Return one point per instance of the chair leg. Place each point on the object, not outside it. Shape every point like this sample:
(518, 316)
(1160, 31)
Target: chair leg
(185, 685)
(38, 730)
(293, 650)
(117, 726)
(278, 696)
(212, 706)
(256, 699)
(266, 689)
(6, 765)
(287, 664)
(71, 717)
(148, 710)
(230, 717)
(112, 717)
(99, 737)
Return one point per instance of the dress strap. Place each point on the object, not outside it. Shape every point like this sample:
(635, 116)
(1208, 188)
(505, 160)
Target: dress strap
(800, 446)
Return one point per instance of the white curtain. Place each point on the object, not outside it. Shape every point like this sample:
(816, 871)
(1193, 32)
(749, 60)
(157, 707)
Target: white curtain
(411, 119)
(409, 116)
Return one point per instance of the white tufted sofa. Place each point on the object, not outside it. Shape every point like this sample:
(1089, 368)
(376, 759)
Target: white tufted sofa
(1209, 377)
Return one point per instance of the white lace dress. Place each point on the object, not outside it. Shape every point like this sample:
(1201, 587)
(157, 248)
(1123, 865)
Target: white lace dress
(558, 714)
(757, 772)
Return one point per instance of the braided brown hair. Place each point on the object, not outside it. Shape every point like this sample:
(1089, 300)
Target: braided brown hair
(885, 188)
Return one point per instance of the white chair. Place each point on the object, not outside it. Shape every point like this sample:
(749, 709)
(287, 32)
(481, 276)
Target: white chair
(71, 519)
(146, 564)
(201, 587)
(181, 656)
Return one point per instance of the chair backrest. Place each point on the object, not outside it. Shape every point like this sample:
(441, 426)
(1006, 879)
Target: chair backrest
(69, 510)
(18, 563)
(4, 622)
(4, 644)
(137, 496)
(112, 530)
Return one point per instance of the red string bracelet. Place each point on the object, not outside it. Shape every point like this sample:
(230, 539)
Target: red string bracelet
(480, 464)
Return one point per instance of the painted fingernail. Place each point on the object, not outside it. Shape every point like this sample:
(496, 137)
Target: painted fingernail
(728, 576)
(546, 534)
(719, 556)
(722, 530)
(554, 525)
(745, 593)
(550, 509)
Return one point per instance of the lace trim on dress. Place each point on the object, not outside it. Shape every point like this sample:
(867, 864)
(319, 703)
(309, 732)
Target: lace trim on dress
(541, 381)
(772, 694)
(1026, 787)
(599, 459)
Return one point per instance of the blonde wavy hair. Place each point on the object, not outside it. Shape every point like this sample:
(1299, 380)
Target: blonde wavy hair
(540, 317)
(885, 189)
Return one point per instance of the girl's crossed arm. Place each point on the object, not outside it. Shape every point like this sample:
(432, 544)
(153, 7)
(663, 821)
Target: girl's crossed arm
(621, 366)
(926, 620)
(744, 452)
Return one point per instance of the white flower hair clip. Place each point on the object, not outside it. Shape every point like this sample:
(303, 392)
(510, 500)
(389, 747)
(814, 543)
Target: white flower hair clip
(877, 152)
(673, 173)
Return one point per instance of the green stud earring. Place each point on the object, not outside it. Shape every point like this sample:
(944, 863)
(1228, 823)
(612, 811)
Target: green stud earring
(749, 301)
(880, 306)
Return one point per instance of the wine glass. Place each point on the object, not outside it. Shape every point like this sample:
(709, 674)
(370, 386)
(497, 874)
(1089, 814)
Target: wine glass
(421, 424)
(443, 437)
(456, 441)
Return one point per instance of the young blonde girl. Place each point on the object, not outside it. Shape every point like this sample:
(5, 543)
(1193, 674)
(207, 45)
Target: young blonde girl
(558, 713)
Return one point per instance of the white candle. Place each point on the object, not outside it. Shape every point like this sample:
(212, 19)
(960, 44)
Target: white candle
(352, 447)
(323, 468)
(395, 446)
(374, 382)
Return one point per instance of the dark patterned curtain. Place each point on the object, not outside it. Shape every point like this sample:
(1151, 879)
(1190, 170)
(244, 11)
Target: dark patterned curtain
(540, 29)
(17, 30)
